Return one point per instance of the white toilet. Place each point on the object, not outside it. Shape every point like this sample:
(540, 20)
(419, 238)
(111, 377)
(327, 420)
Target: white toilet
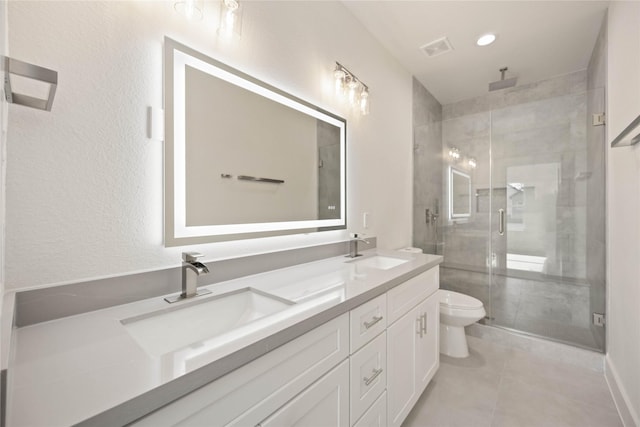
(457, 311)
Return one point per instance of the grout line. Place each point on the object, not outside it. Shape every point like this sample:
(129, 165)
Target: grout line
(495, 404)
(501, 378)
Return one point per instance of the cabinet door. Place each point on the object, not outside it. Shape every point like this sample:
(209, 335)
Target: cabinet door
(324, 403)
(428, 348)
(402, 340)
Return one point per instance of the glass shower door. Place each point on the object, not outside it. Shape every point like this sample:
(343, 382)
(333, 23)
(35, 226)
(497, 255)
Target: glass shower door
(466, 211)
(547, 202)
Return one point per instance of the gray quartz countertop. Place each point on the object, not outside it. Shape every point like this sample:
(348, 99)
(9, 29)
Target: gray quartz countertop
(105, 368)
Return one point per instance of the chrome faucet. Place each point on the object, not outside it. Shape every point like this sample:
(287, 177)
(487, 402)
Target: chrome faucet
(191, 269)
(353, 245)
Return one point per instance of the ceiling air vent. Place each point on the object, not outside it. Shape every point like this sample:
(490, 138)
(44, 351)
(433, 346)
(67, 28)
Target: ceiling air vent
(437, 47)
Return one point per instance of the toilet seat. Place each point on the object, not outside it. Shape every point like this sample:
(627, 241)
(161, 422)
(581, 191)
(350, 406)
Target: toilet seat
(455, 300)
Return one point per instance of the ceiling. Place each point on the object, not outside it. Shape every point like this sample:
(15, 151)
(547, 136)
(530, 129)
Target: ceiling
(535, 39)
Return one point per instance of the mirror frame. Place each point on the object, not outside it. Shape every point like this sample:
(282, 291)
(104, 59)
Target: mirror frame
(452, 215)
(176, 57)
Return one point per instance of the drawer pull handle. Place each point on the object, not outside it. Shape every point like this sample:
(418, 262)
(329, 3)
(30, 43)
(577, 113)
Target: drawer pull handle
(376, 373)
(423, 324)
(373, 321)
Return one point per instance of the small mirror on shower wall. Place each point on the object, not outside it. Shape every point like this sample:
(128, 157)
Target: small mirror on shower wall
(459, 194)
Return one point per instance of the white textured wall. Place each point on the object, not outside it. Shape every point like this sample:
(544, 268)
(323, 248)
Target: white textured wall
(84, 184)
(623, 186)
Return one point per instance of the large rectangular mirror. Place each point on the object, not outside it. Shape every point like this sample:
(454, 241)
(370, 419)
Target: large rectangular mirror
(244, 159)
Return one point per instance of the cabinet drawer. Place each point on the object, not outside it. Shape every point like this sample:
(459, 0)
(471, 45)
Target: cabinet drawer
(368, 376)
(367, 321)
(252, 392)
(322, 404)
(404, 297)
(376, 416)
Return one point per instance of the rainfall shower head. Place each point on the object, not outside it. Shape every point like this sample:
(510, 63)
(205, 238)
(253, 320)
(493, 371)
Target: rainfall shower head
(503, 83)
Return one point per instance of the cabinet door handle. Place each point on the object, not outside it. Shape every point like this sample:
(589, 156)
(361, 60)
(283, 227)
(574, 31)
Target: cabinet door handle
(423, 324)
(373, 321)
(419, 330)
(501, 222)
(376, 373)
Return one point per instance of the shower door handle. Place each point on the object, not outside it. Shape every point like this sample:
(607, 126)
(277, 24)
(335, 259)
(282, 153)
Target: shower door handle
(501, 222)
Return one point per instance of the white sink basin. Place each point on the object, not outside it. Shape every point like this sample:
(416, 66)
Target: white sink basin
(380, 262)
(191, 323)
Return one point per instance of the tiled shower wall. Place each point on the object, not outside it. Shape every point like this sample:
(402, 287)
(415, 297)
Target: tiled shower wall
(535, 124)
(427, 169)
(543, 123)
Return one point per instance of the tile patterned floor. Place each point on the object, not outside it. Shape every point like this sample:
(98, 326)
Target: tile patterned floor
(499, 386)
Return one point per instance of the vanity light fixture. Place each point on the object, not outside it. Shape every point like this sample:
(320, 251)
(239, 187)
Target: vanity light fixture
(357, 93)
(472, 163)
(192, 9)
(454, 153)
(230, 18)
(486, 39)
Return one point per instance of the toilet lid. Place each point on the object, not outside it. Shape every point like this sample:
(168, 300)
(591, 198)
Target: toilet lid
(459, 301)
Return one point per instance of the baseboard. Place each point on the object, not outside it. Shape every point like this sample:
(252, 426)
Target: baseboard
(543, 347)
(620, 398)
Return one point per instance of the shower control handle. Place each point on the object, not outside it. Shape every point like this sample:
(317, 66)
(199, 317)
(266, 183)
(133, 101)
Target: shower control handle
(501, 222)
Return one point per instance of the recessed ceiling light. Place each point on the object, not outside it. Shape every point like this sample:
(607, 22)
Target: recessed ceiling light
(486, 39)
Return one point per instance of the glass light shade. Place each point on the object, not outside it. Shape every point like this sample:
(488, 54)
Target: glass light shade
(192, 9)
(339, 77)
(230, 18)
(364, 102)
(353, 86)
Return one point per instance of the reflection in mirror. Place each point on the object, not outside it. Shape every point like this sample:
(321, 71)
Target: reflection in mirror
(244, 159)
(459, 194)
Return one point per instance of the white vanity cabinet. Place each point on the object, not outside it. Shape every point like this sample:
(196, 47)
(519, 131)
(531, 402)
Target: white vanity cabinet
(365, 368)
(412, 343)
